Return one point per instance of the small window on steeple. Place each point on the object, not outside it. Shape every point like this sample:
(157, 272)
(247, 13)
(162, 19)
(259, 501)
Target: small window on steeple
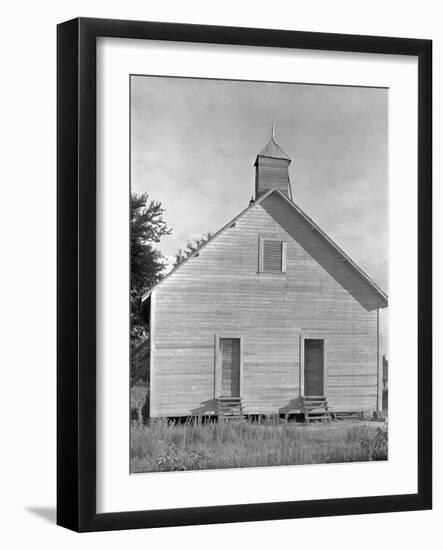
(272, 256)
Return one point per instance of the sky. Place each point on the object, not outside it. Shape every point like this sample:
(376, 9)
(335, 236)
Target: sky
(194, 144)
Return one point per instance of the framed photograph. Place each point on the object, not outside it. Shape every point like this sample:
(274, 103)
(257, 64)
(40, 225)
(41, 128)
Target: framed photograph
(244, 274)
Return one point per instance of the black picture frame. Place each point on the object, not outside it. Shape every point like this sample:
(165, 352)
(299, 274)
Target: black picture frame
(76, 279)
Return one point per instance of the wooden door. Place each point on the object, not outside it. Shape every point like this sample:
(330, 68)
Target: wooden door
(230, 366)
(314, 367)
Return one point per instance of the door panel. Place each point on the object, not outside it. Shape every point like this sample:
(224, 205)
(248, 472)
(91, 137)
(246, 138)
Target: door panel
(314, 367)
(230, 366)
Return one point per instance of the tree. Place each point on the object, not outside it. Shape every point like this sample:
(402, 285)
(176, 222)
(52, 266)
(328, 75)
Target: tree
(191, 247)
(147, 263)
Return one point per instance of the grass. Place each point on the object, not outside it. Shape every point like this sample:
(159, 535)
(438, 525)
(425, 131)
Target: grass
(166, 446)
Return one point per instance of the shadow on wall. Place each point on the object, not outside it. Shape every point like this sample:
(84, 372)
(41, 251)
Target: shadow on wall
(206, 407)
(321, 251)
(294, 404)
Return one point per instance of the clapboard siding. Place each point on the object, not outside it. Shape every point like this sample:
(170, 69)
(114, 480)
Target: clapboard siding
(221, 292)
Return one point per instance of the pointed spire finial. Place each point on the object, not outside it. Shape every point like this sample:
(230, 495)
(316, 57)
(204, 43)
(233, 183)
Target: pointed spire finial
(273, 131)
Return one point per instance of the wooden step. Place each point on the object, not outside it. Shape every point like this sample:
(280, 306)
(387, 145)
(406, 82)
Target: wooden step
(315, 397)
(310, 398)
(229, 397)
(316, 408)
(229, 407)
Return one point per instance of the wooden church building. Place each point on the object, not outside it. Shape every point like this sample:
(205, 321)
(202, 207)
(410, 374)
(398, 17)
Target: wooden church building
(269, 316)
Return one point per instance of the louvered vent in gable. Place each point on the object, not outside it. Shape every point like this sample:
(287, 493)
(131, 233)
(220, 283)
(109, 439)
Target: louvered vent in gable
(272, 258)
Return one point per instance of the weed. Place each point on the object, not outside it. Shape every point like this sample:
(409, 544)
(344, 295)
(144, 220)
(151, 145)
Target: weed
(171, 446)
(171, 461)
(376, 448)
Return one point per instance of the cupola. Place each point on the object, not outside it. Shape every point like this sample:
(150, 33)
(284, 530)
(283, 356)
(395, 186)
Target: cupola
(272, 169)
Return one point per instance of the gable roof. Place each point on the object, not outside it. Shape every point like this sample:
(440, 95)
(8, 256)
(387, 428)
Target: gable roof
(273, 150)
(314, 227)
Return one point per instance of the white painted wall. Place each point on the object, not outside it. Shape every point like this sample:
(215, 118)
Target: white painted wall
(27, 403)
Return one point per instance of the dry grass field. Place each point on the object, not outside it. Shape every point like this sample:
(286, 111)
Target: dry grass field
(169, 446)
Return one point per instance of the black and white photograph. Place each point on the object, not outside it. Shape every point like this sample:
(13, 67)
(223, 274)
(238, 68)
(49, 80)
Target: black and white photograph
(220, 275)
(258, 274)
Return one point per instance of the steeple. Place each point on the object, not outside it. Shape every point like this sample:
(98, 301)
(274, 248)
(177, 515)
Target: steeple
(272, 168)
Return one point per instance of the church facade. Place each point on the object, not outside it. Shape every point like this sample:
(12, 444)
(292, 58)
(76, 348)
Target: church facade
(269, 316)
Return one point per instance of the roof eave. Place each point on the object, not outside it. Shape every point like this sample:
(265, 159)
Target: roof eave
(269, 157)
(328, 239)
(196, 252)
